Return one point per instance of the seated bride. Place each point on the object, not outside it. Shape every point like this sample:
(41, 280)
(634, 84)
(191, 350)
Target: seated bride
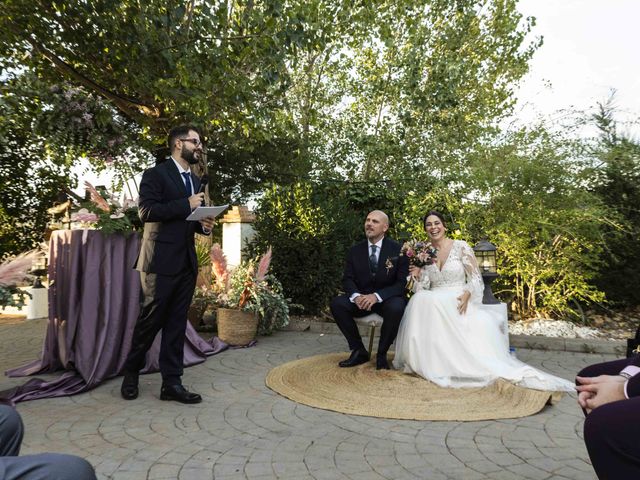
(445, 336)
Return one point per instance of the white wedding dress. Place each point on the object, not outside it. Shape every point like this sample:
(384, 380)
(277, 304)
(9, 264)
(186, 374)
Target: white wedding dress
(452, 350)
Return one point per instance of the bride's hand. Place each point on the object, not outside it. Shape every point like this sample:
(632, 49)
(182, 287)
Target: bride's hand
(463, 302)
(415, 272)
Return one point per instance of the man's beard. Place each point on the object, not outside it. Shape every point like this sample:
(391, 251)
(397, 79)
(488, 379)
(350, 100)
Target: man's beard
(189, 156)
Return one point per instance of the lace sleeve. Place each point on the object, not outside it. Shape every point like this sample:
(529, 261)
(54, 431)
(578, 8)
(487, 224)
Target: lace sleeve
(424, 283)
(474, 283)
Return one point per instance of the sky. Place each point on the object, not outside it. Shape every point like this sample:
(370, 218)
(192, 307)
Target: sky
(590, 47)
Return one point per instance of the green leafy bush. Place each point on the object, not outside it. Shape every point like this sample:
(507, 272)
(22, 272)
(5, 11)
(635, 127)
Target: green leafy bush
(546, 231)
(311, 226)
(12, 296)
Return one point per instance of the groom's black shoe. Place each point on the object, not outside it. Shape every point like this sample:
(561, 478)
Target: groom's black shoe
(381, 362)
(358, 357)
(129, 388)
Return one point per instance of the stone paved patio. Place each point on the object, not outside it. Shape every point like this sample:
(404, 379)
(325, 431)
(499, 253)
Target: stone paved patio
(243, 430)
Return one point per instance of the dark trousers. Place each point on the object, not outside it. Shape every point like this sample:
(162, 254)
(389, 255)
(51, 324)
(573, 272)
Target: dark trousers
(611, 431)
(43, 466)
(391, 311)
(165, 306)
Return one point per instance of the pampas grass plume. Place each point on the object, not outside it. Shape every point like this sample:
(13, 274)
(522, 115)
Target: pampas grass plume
(15, 270)
(263, 266)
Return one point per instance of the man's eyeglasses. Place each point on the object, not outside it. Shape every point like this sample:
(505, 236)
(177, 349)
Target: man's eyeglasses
(195, 142)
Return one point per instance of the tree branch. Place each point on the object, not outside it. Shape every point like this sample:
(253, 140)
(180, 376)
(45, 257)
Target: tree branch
(127, 105)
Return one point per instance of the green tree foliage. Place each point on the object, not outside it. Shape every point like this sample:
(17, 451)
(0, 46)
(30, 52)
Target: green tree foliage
(526, 195)
(616, 181)
(309, 228)
(535, 208)
(312, 225)
(417, 88)
(407, 95)
(369, 88)
(29, 181)
(44, 129)
(221, 65)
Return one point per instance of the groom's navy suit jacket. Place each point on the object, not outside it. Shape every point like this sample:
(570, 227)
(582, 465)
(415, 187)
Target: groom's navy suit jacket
(168, 240)
(389, 280)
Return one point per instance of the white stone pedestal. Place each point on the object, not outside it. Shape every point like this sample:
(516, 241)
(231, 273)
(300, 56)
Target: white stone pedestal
(237, 231)
(38, 306)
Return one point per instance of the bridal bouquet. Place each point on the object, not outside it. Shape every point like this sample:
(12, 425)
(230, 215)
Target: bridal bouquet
(419, 253)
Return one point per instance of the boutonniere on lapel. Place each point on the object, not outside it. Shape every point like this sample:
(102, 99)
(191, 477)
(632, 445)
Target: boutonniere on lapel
(389, 264)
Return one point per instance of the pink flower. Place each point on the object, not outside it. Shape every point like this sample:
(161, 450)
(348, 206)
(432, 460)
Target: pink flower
(84, 215)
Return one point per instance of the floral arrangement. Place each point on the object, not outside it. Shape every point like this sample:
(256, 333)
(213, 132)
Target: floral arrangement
(419, 253)
(12, 272)
(248, 287)
(104, 212)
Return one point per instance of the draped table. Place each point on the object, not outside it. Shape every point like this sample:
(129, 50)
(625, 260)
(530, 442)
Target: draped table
(94, 300)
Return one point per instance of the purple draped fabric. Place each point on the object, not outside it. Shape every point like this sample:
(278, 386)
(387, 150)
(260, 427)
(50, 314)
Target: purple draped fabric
(94, 298)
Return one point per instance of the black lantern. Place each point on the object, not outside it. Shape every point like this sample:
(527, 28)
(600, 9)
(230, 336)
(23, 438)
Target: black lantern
(486, 256)
(39, 269)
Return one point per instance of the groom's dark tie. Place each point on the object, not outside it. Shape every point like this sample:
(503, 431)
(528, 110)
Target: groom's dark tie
(373, 261)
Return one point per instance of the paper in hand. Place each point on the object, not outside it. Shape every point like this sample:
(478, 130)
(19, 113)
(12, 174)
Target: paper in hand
(204, 212)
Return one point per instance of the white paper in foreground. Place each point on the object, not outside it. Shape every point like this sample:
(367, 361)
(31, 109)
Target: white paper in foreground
(204, 212)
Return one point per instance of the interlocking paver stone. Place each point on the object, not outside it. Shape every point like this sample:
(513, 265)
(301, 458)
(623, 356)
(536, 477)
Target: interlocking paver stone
(243, 430)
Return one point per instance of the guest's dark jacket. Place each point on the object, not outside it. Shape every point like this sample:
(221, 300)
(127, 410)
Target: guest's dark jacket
(163, 207)
(389, 280)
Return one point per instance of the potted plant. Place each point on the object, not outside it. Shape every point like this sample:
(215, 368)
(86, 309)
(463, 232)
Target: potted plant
(249, 300)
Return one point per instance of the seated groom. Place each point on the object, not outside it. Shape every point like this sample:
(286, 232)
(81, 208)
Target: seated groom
(374, 282)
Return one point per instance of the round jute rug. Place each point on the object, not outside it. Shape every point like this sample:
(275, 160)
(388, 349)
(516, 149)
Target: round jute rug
(319, 382)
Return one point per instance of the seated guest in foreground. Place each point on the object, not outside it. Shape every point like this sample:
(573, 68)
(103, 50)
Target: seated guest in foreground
(445, 336)
(42, 466)
(374, 282)
(609, 394)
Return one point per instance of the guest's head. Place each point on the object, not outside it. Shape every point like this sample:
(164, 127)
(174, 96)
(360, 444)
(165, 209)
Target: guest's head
(435, 225)
(185, 144)
(376, 225)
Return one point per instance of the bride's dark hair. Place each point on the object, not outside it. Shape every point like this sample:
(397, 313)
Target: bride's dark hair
(437, 214)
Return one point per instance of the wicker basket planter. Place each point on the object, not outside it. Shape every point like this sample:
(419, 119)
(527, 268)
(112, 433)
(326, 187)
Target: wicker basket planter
(236, 327)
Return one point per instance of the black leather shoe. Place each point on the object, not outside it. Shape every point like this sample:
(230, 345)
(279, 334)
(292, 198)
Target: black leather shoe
(358, 357)
(179, 394)
(129, 388)
(382, 363)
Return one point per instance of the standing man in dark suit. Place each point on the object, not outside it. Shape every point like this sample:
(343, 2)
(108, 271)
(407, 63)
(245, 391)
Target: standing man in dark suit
(374, 280)
(167, 263)
(609, 394)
